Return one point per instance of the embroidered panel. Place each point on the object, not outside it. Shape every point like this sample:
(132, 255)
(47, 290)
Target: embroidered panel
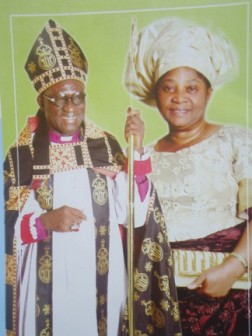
(10, 270)
(17, 197)
(62, 158)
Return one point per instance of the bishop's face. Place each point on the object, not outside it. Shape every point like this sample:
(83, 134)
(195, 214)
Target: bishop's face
(64, 106)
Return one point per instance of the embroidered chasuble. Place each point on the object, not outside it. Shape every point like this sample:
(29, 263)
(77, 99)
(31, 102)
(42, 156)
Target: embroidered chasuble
(32, 276)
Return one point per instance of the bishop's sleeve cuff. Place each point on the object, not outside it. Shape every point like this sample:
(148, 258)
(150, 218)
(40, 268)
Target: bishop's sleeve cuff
(32, 229)
(141, 167)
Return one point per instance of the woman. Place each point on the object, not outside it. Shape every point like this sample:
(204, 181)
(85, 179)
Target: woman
(200, 170)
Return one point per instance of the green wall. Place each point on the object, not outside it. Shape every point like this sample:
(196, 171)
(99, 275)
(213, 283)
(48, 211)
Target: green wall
(102, 28)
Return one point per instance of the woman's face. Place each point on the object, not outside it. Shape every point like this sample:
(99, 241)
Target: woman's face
(182, 95)
(64, 106)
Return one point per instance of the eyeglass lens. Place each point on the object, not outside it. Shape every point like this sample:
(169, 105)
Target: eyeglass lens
(77, 98)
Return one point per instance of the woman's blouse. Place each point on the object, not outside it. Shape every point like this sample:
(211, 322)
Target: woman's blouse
(199, 186)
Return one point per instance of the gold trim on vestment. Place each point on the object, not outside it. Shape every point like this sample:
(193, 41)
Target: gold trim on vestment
(10, 270)
(10, 333)
(17, 198)
(25, 138)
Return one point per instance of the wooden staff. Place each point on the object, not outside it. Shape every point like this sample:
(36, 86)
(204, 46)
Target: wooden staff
(131, 218)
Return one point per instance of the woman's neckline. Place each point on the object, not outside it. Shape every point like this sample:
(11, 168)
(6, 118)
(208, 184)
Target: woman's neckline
(165, 146)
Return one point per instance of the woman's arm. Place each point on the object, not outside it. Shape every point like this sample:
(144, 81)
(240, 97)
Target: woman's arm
(217, 281)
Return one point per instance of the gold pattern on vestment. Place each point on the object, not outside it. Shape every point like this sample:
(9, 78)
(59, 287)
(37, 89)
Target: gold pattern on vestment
(110, 159)
(14, 287)
(139, 333)
(39, 167)
(152, 249)
(141, 281)
(41, 176)
(102, 326)
(86, 154)
(93, 131)
(11, 174)
(47, 309)
(17, 197)
(160, 237)
(159, 219)
(102, 230)
(150, 329)
(7, 175)
(55, 60)
(45, 270)
(46, 58)
(102, 300)
(37, 309)
(148, 266)
(74, 53)
(165, 305)
(100, 194)
(31, 67)
(150, 205)
(47, 330)
(10, 333)
(25, 138)
(45, 196)
(62, 157)
(136, 296)
(158, 216)
(156, 314)
(175, 311)
(163, 284)
(10, 270)
(102, 256)
(119, 158)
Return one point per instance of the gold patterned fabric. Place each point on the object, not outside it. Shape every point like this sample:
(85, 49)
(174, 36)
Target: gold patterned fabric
(156, 308)
(44, 288)
(100, 203)
(55, 56)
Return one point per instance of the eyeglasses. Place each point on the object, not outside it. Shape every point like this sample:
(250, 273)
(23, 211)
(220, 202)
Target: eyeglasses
(78, 98)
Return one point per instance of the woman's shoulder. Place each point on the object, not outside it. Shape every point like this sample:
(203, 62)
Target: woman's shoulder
(235, 132)
(235, 128)
(231, 134)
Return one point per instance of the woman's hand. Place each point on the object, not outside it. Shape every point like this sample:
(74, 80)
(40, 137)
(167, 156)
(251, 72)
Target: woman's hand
(134, 125)
(62, 219)
(217, 281)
